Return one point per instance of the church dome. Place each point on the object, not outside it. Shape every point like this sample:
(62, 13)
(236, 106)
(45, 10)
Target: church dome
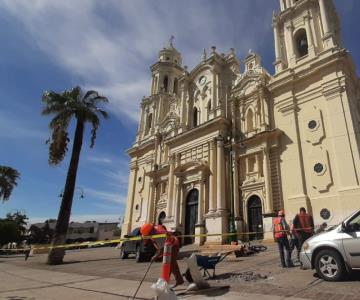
(170, 54)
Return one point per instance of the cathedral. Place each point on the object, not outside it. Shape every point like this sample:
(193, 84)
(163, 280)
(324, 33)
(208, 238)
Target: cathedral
(222, 147)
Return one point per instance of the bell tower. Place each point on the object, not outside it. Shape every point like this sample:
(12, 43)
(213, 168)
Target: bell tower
(303, 29)
(166, 71)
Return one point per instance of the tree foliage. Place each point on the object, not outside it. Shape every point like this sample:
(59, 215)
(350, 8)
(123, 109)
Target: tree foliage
(8, 180)
(65, 106)
(9, 232)
(13, 228)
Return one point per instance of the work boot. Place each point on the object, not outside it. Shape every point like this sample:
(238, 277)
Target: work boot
(177, 284)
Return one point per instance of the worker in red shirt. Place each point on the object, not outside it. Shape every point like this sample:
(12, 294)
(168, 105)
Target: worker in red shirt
(303, 225)
(171, 240)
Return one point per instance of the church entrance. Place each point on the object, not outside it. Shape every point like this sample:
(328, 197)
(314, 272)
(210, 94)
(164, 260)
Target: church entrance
(255, 219)
(191, 213)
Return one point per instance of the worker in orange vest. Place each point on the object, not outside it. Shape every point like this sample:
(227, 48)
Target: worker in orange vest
(281, 230)
(304, 225)
(172, 241)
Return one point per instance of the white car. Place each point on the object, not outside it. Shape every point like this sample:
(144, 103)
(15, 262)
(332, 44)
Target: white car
(334, 252)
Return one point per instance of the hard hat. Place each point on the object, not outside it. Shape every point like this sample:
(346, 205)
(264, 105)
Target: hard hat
(146, 229)
(281, 213)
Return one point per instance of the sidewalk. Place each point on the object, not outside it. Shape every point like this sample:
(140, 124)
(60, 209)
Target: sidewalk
(36, 284)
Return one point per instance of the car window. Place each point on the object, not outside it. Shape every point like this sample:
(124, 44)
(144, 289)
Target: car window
(354, 224)
(136, 232)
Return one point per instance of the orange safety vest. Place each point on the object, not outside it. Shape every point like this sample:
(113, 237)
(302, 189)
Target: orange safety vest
(305, 223)
(279, 230)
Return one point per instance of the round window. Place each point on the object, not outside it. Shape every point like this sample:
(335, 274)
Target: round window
(312, 124)
(318, 168)
(325, 214)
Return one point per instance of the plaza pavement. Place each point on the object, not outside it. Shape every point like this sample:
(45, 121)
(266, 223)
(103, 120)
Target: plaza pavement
(100, 274)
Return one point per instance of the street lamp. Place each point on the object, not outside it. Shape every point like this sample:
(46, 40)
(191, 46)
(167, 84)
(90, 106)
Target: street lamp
(76, 188)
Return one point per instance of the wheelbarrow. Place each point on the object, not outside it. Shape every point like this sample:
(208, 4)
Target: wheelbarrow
(207, 263)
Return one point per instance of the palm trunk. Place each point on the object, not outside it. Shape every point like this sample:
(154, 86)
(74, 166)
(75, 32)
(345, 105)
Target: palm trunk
(56, 255)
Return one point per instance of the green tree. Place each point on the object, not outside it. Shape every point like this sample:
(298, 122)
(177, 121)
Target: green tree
(8, 180)
(66, 106)
(9, 232)
(20, 219)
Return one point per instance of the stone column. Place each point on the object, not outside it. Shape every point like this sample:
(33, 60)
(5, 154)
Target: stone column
(170, 188)
(126, 227)
(310, 37)
(214, 90)
(276, 41)
(178, 201)
(236, 185)
(201, 210)
(324, 18)
(200, 226)
(267, 176)
(288, 3)
(220, 176)
(151, 202)
(290, 44)
(212, 178)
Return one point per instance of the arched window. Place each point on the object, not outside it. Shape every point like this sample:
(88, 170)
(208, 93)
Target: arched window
(176, 84)
(148, 123)
(250, 120)
(166, 83)
(301, 43)
(209, 105)
(161, 218)
(195, 117)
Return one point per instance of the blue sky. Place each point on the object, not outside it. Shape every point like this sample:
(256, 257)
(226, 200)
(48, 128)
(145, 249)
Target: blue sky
(109, 46)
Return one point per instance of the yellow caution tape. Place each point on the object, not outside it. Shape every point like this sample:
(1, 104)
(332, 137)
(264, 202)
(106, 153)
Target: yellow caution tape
(137, 238)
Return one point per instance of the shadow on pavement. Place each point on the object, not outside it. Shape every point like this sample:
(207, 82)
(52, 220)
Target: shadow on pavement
(354, 276)
(88, 260)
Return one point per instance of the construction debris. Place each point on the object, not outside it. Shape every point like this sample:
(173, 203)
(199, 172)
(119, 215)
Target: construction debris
(240, 277)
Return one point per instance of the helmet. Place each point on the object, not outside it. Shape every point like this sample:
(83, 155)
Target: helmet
(146, 229)
(281, 213)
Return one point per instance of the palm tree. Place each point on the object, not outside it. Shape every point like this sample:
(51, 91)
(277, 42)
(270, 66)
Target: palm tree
(8, 180)
(65, 106)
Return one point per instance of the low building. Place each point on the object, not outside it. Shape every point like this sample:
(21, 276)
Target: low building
(77, 232)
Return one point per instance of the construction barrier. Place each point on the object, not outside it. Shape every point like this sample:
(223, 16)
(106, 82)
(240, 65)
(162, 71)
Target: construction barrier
(44, 249)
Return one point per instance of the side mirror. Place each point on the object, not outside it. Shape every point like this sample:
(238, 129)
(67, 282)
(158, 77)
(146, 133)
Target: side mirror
(343, 227)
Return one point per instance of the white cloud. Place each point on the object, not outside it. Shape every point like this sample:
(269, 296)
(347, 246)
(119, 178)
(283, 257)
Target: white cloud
(15, 127)
(109, 45)
(99, 159)
(113, 197)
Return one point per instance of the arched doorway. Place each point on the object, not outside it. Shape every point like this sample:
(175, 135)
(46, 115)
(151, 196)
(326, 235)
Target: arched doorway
(161, 218)
(191, 213)
(255, 219)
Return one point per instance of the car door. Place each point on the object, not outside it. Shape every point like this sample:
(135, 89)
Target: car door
(351, 241)
(131, 245)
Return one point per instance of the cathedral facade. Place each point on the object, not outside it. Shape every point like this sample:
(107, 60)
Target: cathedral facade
(220, 149)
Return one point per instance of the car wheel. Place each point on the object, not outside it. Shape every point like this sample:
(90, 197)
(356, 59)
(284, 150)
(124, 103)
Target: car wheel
(329, 265)
(123, 254)
(138, 255)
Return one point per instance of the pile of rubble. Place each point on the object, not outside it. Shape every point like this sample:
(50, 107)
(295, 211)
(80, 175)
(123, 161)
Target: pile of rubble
(240, 277)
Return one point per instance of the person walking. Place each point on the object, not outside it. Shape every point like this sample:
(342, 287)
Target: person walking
(173, 241)
(303, 225)
(281, 230)
(294, 242)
